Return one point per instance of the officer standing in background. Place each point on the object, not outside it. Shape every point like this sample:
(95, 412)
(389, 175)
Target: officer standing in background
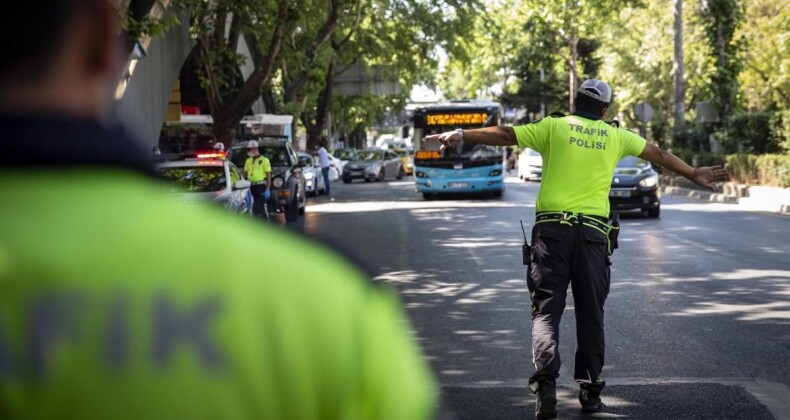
(120, 303)
(258, 170)
(569, 238)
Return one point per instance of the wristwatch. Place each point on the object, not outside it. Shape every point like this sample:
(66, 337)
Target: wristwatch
(460, 133)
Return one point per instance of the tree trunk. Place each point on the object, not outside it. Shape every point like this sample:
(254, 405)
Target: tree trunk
(574, 44)
(680, 112)
(724, 92)
(225, 129)
(315, 123)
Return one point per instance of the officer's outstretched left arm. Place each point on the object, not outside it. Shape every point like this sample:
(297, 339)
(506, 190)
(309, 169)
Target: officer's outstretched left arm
(704, 176)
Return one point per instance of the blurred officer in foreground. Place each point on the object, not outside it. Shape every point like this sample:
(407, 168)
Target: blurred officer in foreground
(118, 303)
(572, 236)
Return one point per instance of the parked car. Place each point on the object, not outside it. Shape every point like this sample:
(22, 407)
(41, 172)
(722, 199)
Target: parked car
(635, 187)
(407, 160)
(346, 155)
(199, 181)
(374, 165)
(339, 166)
(313, 178)
(334, 171)
(288, 193)
(530, 165)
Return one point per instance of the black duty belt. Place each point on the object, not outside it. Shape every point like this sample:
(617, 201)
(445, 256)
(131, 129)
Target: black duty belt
(595, 222)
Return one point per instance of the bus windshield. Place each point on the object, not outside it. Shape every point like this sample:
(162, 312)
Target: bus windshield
(463, 149)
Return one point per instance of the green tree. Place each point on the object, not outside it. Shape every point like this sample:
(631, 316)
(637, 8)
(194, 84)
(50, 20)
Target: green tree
(724, 17)
(765, 78)
(217, 27)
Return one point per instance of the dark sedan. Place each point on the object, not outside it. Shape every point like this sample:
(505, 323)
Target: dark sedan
(635, 187)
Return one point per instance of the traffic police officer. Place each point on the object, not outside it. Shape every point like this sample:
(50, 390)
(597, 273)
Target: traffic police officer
(569, 238)
(259, 172)
(120, 303)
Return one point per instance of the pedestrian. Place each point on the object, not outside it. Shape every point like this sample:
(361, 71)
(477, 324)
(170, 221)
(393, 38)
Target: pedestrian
(570, 241)
(119, 302)
(326, 163)
(258, 170)
(509, 162)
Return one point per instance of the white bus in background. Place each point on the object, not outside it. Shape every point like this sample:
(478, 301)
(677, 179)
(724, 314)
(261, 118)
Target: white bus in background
(195, 132)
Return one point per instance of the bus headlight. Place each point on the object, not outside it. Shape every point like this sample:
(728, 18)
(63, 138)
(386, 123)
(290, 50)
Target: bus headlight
(495, 172)
(421, 174)
(650, 181)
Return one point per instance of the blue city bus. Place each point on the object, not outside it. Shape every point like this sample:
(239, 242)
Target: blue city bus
(465, 168)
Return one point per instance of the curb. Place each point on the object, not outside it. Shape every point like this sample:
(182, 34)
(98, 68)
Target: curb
(699, 194)
(756, 198)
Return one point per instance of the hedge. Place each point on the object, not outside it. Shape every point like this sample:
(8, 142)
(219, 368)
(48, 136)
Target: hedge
(768, 169)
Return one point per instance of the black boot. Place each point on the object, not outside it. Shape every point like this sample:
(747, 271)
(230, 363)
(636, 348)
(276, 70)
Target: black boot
(546, 402)
(590, 396)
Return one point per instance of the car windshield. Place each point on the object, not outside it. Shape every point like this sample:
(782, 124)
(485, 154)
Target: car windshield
(370, 155)
(632, 162)
(278, 156)
(194, 179)
(307, 161)
(345, 154)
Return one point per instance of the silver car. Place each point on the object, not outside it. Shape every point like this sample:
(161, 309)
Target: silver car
(205, 181)
(374, 165)
(313, 178)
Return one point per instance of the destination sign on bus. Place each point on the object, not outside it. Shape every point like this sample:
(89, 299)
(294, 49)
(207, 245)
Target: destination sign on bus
(428, 154)
(451, 119)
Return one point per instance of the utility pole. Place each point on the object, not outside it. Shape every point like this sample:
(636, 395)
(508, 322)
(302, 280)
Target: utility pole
(680, 111)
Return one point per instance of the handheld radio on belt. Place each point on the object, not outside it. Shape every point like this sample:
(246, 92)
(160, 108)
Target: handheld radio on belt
(525, 255)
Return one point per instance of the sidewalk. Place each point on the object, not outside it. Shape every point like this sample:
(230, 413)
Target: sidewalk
(746, 197)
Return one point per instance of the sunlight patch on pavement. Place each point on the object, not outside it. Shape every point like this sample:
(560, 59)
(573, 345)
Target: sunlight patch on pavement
(372, 206)
(736, 275)
(702, 207)
(746, 312)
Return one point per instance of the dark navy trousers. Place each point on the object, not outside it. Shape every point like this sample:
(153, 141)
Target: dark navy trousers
(564, 254)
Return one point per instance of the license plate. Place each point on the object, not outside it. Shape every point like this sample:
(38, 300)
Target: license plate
(458, 185)
(619, 193)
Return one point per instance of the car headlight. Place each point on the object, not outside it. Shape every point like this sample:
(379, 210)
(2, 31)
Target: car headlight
(650, 181)
(278, 182)
(308, 175)
(373, 168)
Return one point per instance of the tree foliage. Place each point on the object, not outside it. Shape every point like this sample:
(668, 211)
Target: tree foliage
(735, 56)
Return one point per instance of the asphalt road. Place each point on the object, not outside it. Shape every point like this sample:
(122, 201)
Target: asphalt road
(697, 320)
